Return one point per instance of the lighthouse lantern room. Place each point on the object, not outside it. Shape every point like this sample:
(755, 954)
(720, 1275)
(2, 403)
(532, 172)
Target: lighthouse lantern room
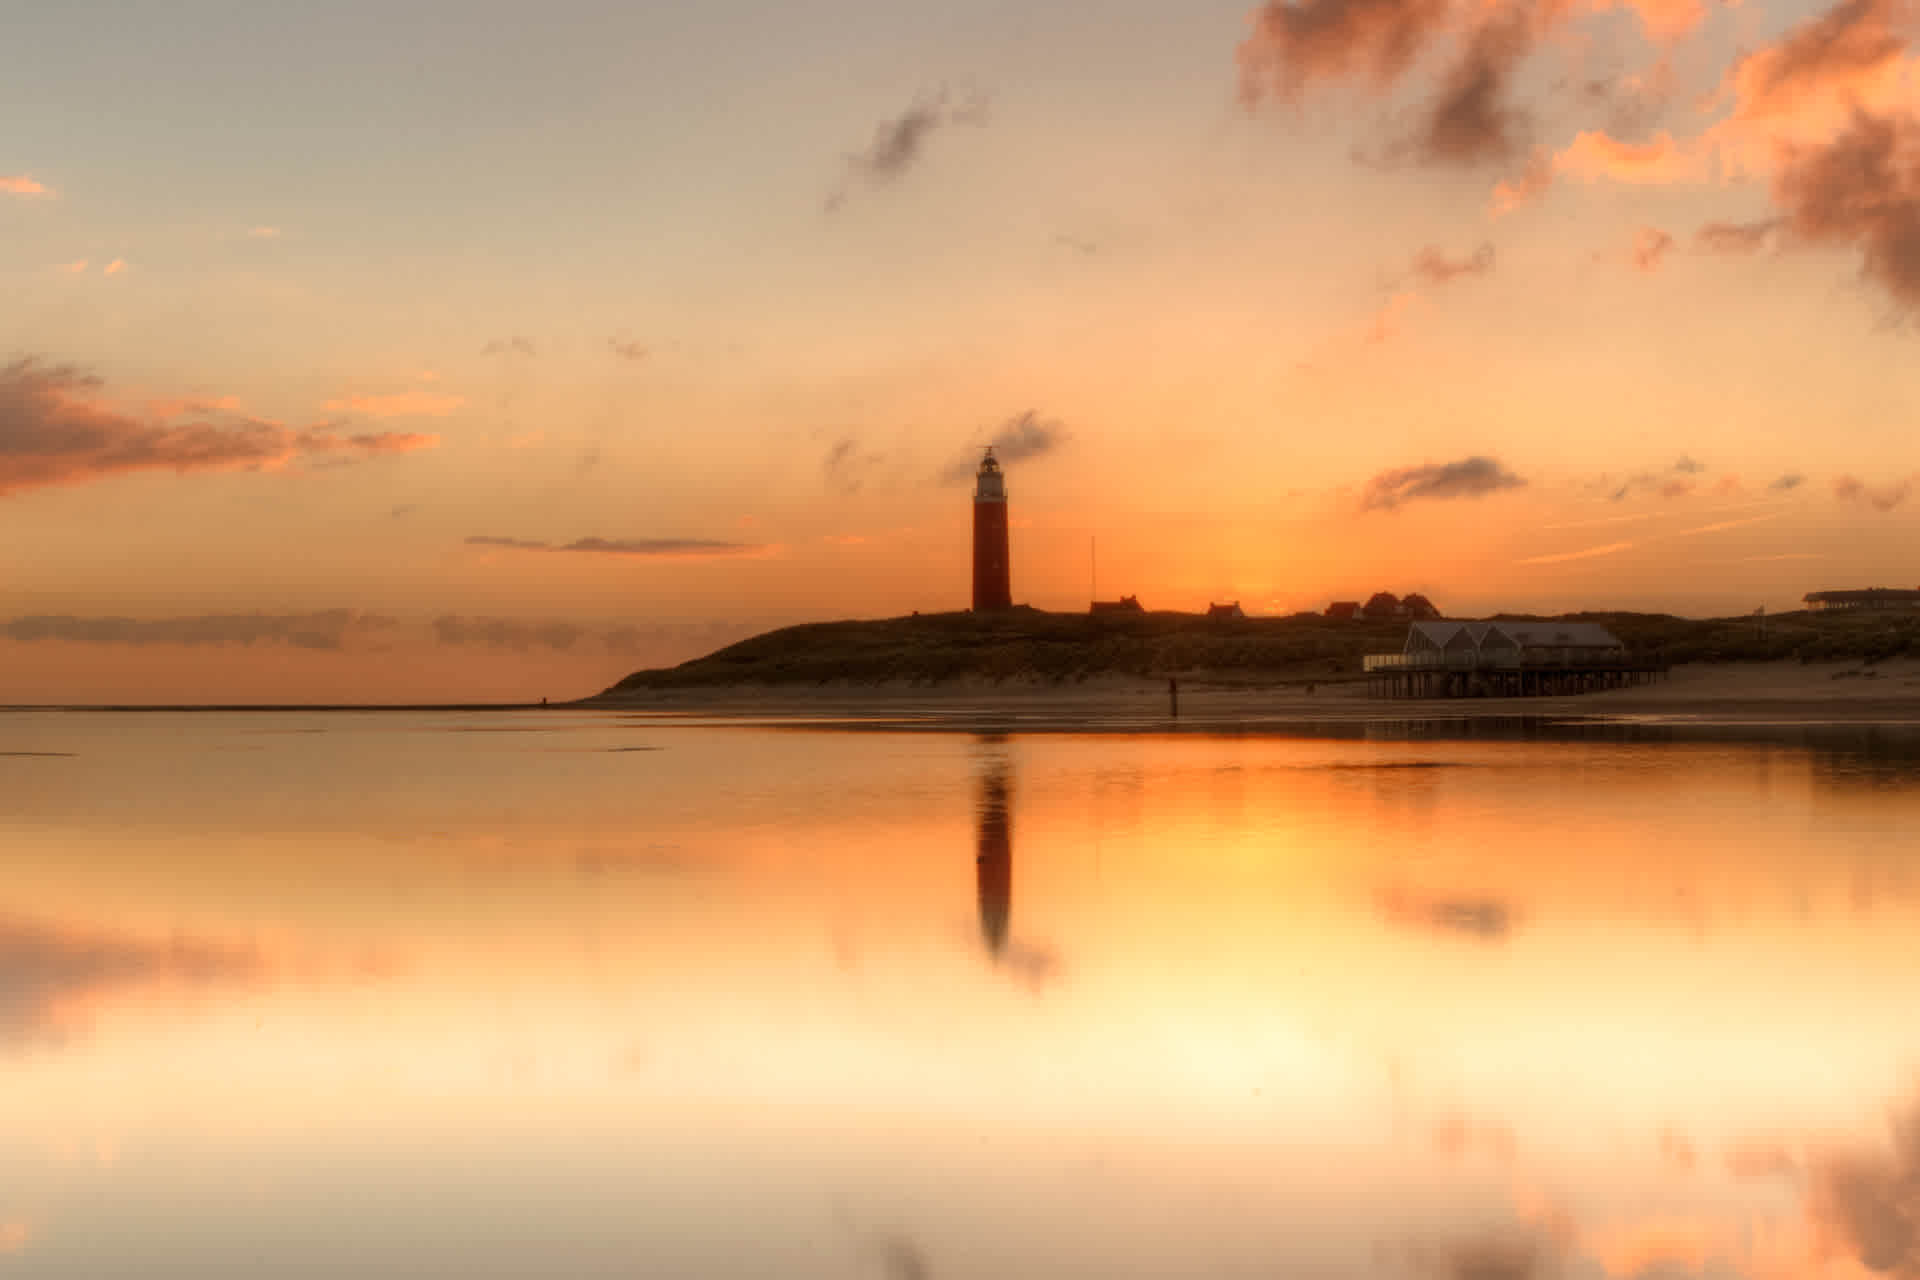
(992, 585)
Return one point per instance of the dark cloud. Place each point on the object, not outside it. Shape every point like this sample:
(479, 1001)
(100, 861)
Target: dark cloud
(1433, 267)
(657, 644)
(514, 346)
(847, 468)
(1021, 437)
(898, 144)
(671, 642)
(1792, 480)
(1676, 481)
(1484, 918)
(1468, 478)
(1881, 497)
(1293, 45)
(1736, 237)
(50, 978)
(514, 544)
(1861, 189)
(54, 431)
(1471, 120)
(328, 629)
(627, 350)
(504, 633)
(665, 547)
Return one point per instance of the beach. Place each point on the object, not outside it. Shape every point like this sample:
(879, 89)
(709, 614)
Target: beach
(1745, 693)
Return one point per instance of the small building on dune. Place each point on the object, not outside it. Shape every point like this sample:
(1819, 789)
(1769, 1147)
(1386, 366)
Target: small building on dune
(1125, 604)
(1873, 598)
(1226, 610)
(1344, 610)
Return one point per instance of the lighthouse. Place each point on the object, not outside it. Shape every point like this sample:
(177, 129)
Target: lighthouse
(992, 587)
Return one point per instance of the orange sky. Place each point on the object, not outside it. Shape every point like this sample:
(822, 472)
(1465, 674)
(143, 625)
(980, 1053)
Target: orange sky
(554, 354)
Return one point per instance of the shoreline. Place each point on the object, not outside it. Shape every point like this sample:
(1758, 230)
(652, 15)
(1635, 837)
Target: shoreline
(1782, 693)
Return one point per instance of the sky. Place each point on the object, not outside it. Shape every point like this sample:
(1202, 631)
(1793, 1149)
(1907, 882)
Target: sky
(461, 351)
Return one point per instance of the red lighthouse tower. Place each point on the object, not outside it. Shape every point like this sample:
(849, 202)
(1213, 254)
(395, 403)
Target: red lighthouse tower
(992, 586)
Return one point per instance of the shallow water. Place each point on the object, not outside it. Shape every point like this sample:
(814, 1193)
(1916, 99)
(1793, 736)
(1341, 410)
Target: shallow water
(590, 995)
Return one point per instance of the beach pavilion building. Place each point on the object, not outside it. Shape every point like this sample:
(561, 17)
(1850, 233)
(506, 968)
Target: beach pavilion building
(1873, 598)
(1444, 659)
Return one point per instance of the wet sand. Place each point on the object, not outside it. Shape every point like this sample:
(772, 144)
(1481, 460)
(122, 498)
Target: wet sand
(1742, 694)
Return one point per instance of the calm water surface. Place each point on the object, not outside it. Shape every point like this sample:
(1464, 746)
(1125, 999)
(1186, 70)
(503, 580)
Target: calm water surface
(585, 995)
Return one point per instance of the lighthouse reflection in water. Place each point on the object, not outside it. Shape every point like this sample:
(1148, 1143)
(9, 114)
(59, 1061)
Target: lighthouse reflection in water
(994, 860)
(1020, 958)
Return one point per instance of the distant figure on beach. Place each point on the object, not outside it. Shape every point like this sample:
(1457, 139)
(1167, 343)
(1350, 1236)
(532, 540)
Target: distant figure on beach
(1173, 697)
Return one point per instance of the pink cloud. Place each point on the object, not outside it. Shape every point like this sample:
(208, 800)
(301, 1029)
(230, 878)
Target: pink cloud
(75, 267)
(1650, 245)
(1586, 553)
(1593, 155)
(19, 184)
(1385, 323)
(1664, 20)
(56, 429)
(1852, 50)
(1527, 186)
(115, 267)
(399, 404)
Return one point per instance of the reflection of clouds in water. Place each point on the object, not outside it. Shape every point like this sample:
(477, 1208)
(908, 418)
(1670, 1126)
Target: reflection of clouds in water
(1677, 1150)
(1032, 964)
(900, 1258)
(1545, 1240)
(49, 975)
(1481, 917)
(1761, 1158)
(1499, 1254)
(1456, 1135)
(1868, 757)
(647, 860)
(1866, 1203)
(1670, 1245)
(1860, 1216)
